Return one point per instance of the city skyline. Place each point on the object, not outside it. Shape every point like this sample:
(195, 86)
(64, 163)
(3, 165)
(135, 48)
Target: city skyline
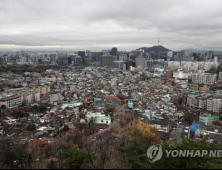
(128, 24)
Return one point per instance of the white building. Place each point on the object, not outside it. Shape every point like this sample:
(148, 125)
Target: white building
(204, 78)
(188, 65)
(181, 74)
(174, 64)
(132, 68)
(196, 101)
(114, 81)
(122, 57)
(98, 118)
(141, 62)
(11, 101)
(161, 125)
(214, 105)
(208, 119)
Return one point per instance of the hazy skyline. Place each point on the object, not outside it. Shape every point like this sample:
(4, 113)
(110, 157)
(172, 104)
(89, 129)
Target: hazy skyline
(103, 24)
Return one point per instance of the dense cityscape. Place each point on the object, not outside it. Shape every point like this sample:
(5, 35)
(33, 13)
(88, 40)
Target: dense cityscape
(84, 109)
(110, 84)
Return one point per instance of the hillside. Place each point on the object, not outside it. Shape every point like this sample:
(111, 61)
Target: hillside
(155, 49)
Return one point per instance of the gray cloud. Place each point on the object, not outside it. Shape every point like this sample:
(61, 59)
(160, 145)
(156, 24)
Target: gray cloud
(99, 24)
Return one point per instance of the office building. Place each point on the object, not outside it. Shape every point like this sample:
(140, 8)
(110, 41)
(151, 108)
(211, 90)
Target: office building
(118, 64)
(52, 58)
(122, 57)
(209, 55)
(63, 60)
(106, 60)
(141, 62)
(181, 56)
(87, 61)
(81, 53)
(78, 61)
(114, 51)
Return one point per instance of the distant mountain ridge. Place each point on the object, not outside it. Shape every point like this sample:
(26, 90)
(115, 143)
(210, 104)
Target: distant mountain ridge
(156, 49)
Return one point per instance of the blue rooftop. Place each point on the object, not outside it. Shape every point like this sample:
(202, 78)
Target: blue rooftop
(147, 111)
(193, 127)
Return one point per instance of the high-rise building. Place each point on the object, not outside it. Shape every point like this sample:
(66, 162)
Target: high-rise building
(72, 58)
(170, 54)
(220, 76)
(129, 63)
(22, 52)
(96, 56)
(87, 61)
(215, 59)
(82, 53)
(118, 64)
(114, 51)
(137, 53)
(181, 56)
(106, 60)
(122, 57)
(64, 61)
(52, 58)
(78, 61)
(88, 53)
(150, 63)
(39, 61)
(141, 62)
(106, 52)
(209, 55)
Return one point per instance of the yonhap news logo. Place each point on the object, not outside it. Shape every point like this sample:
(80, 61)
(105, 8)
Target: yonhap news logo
(155, 153)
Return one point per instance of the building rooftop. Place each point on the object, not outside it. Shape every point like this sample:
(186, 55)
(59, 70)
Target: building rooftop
(97, 99)
(209, 116)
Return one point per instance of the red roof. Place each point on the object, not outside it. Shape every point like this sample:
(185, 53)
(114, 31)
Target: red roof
(63, 113)
(39, 142)
(69, 94)
(35, 142)
(125, 100)
(90, 109)
(87, 98)
(110, 97)
(44, 74)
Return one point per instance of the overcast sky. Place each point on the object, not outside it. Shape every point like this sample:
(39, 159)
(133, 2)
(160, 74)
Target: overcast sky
(102, 24)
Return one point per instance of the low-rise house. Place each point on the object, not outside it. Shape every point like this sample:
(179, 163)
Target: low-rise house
(182, 130)
(102, 119)
(209, 133)
(215, 137)
(71, 104)
(9, 133)
(98, 118)
(161, 125)
(207, 119)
